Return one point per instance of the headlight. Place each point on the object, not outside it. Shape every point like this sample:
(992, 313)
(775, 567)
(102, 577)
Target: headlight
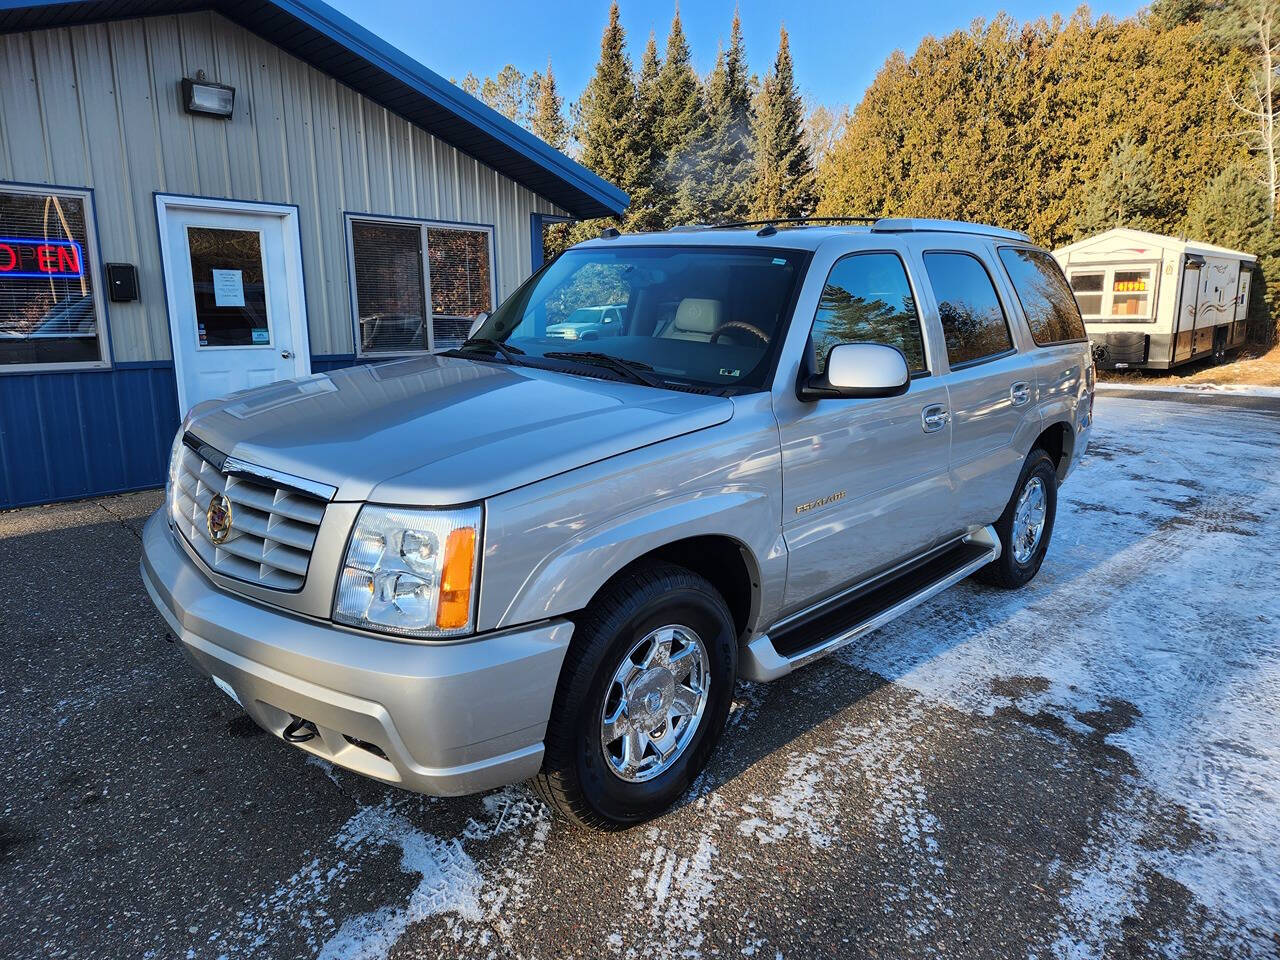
(175, 464)
(569, 334)
(410, 571)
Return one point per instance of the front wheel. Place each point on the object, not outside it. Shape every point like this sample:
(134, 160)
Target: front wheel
(1026, 524)
(642, 701)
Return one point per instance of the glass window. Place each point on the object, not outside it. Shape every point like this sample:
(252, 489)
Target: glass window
(680, 316)
(230, 294)
(48, 305)
(1046, 299)
(867, 299)
(1087, 288)
(1131, 293)
(390, 303)
(461, 285)
(973, 321)
(403, 306)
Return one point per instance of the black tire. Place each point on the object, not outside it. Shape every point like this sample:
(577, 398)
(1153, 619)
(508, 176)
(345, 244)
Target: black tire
(576, 781)
(1220, 345)
(1007, 572)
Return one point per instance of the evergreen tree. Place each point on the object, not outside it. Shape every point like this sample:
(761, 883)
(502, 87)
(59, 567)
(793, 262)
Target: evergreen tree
(505, 93)
(682, 131)
(728, 160)
(1123, 194)
(546, 116)
(784, 182)
(607, 110)
(646, 211)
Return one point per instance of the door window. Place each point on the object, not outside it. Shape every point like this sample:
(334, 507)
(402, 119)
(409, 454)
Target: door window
(867, 299)
(973, 321)
(230, 292)
(1046, 299)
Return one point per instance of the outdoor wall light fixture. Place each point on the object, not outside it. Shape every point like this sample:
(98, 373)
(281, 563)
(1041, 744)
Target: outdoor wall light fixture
(206, 98)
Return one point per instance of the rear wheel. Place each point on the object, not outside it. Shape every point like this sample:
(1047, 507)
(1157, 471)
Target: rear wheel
(1220, 345)
(642, 700)
(1026, 524)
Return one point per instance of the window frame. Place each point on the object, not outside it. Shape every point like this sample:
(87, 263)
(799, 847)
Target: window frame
(1018, 296)
(422, 225)
(805, 368)
(92, 252)
(937, 305)
(1108, 270)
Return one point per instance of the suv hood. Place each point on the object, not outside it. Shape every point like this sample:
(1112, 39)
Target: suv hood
(440, 430)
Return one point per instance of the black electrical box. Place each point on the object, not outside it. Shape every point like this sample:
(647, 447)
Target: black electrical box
(122, 282)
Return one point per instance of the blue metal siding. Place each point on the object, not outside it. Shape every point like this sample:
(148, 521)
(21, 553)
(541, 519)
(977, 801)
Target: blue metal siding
(82, 433)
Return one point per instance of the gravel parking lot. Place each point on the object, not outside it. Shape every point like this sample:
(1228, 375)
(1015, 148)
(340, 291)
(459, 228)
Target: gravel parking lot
(1086, 768)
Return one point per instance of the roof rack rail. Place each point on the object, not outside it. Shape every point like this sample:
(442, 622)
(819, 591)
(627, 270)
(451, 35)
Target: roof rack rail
(777, 221)
(912, 224)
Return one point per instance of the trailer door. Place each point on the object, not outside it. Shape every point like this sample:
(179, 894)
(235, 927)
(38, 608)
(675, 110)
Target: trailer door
(1188, 301)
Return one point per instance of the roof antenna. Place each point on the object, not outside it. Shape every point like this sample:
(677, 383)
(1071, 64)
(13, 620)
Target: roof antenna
(608, 233)
(768, 230)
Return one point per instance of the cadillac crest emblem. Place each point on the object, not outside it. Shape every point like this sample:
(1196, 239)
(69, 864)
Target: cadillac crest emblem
(217, 519)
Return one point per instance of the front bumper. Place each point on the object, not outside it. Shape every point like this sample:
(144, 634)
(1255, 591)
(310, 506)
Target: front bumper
(439, 718)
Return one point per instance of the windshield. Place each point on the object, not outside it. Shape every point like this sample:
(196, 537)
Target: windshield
(690, 316)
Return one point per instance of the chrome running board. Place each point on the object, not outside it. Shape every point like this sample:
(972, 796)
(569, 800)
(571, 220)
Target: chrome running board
(762, 661)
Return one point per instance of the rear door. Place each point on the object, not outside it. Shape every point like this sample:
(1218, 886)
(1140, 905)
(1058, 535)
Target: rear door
(864, 479)
(990, 385)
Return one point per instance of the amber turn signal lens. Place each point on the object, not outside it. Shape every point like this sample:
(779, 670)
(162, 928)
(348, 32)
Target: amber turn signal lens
(454, 609)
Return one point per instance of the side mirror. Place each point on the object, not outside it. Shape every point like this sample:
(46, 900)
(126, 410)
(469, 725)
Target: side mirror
(860, 370)
(477, 323)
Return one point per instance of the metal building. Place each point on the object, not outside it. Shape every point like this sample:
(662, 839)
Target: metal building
(198, 196)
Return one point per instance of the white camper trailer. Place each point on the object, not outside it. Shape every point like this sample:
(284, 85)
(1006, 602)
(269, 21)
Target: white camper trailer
(1158, 302)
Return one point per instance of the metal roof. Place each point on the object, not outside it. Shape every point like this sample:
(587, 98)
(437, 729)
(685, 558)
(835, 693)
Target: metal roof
(321, 36)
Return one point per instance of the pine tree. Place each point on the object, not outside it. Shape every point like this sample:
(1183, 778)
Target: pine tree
(784, 181)
(646, 211)
(505, 93)
(1124, 194)
(728, 160)
(606, 112)
(546, 116)
(682, 131)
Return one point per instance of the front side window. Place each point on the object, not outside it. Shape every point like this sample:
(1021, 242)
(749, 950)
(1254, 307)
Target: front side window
(417, 286)
(680, 316)
(49, 308)
(1046, 299)
(973, 320)
(867, 299)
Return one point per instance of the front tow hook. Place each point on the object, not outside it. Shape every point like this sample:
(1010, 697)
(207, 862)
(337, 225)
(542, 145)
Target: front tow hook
(299, 731)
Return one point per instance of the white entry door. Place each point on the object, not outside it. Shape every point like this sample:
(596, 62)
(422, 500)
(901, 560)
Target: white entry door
(233, 275)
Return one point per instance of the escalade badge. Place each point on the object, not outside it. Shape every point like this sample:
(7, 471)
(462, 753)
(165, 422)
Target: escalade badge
(820, 502)
(217, 519)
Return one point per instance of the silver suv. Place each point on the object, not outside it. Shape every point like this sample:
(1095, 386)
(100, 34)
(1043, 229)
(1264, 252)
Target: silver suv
(531, 557)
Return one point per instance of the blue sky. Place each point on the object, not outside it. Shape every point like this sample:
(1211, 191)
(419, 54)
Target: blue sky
(838, 44)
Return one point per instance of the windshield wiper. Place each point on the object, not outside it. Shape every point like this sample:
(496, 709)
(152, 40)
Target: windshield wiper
(633, 370)
(510, 353)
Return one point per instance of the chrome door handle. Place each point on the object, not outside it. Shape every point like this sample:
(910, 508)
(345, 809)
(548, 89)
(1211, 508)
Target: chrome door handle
(286, 355)
(1020, 393)
(934, 417)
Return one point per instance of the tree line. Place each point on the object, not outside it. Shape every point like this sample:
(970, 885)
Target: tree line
(1163, 121)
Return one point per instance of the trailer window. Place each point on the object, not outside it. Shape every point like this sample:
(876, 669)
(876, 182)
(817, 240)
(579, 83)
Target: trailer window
(1046, 299)
(1130, 293)
(1088, 290)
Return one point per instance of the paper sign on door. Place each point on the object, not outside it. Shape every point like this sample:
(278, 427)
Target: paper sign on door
(228, 288)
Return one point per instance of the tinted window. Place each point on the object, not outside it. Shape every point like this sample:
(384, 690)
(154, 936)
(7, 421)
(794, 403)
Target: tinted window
(972, 318)
(867, 299)
(1046, 299)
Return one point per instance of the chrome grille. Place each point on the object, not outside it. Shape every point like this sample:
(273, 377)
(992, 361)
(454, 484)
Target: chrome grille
(273, 527)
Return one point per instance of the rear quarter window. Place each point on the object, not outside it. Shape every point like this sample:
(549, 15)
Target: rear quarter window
(1047, 300)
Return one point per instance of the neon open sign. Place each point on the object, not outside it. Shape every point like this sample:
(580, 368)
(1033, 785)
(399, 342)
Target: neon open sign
(41, 258)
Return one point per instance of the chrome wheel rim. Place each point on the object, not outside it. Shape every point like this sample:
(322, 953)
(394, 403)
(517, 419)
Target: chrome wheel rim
(655, 703)
(1028, 519)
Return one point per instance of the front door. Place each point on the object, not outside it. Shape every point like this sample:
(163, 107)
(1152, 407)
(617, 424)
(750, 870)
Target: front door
(233, 276)
(1188, 307)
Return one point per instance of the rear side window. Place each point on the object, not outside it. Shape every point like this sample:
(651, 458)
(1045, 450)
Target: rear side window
(867, 299)
(973, 321)
(1046, 299)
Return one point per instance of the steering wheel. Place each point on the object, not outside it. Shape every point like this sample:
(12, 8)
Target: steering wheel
(740, 325)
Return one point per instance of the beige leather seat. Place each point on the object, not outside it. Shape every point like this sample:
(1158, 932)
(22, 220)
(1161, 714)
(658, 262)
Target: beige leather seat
(696, 319)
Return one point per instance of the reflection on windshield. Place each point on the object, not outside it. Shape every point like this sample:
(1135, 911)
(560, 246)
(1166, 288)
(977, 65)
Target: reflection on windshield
(701, 316)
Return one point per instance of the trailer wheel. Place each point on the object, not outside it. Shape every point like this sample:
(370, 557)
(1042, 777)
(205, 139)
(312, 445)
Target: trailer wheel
(1220, 345)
